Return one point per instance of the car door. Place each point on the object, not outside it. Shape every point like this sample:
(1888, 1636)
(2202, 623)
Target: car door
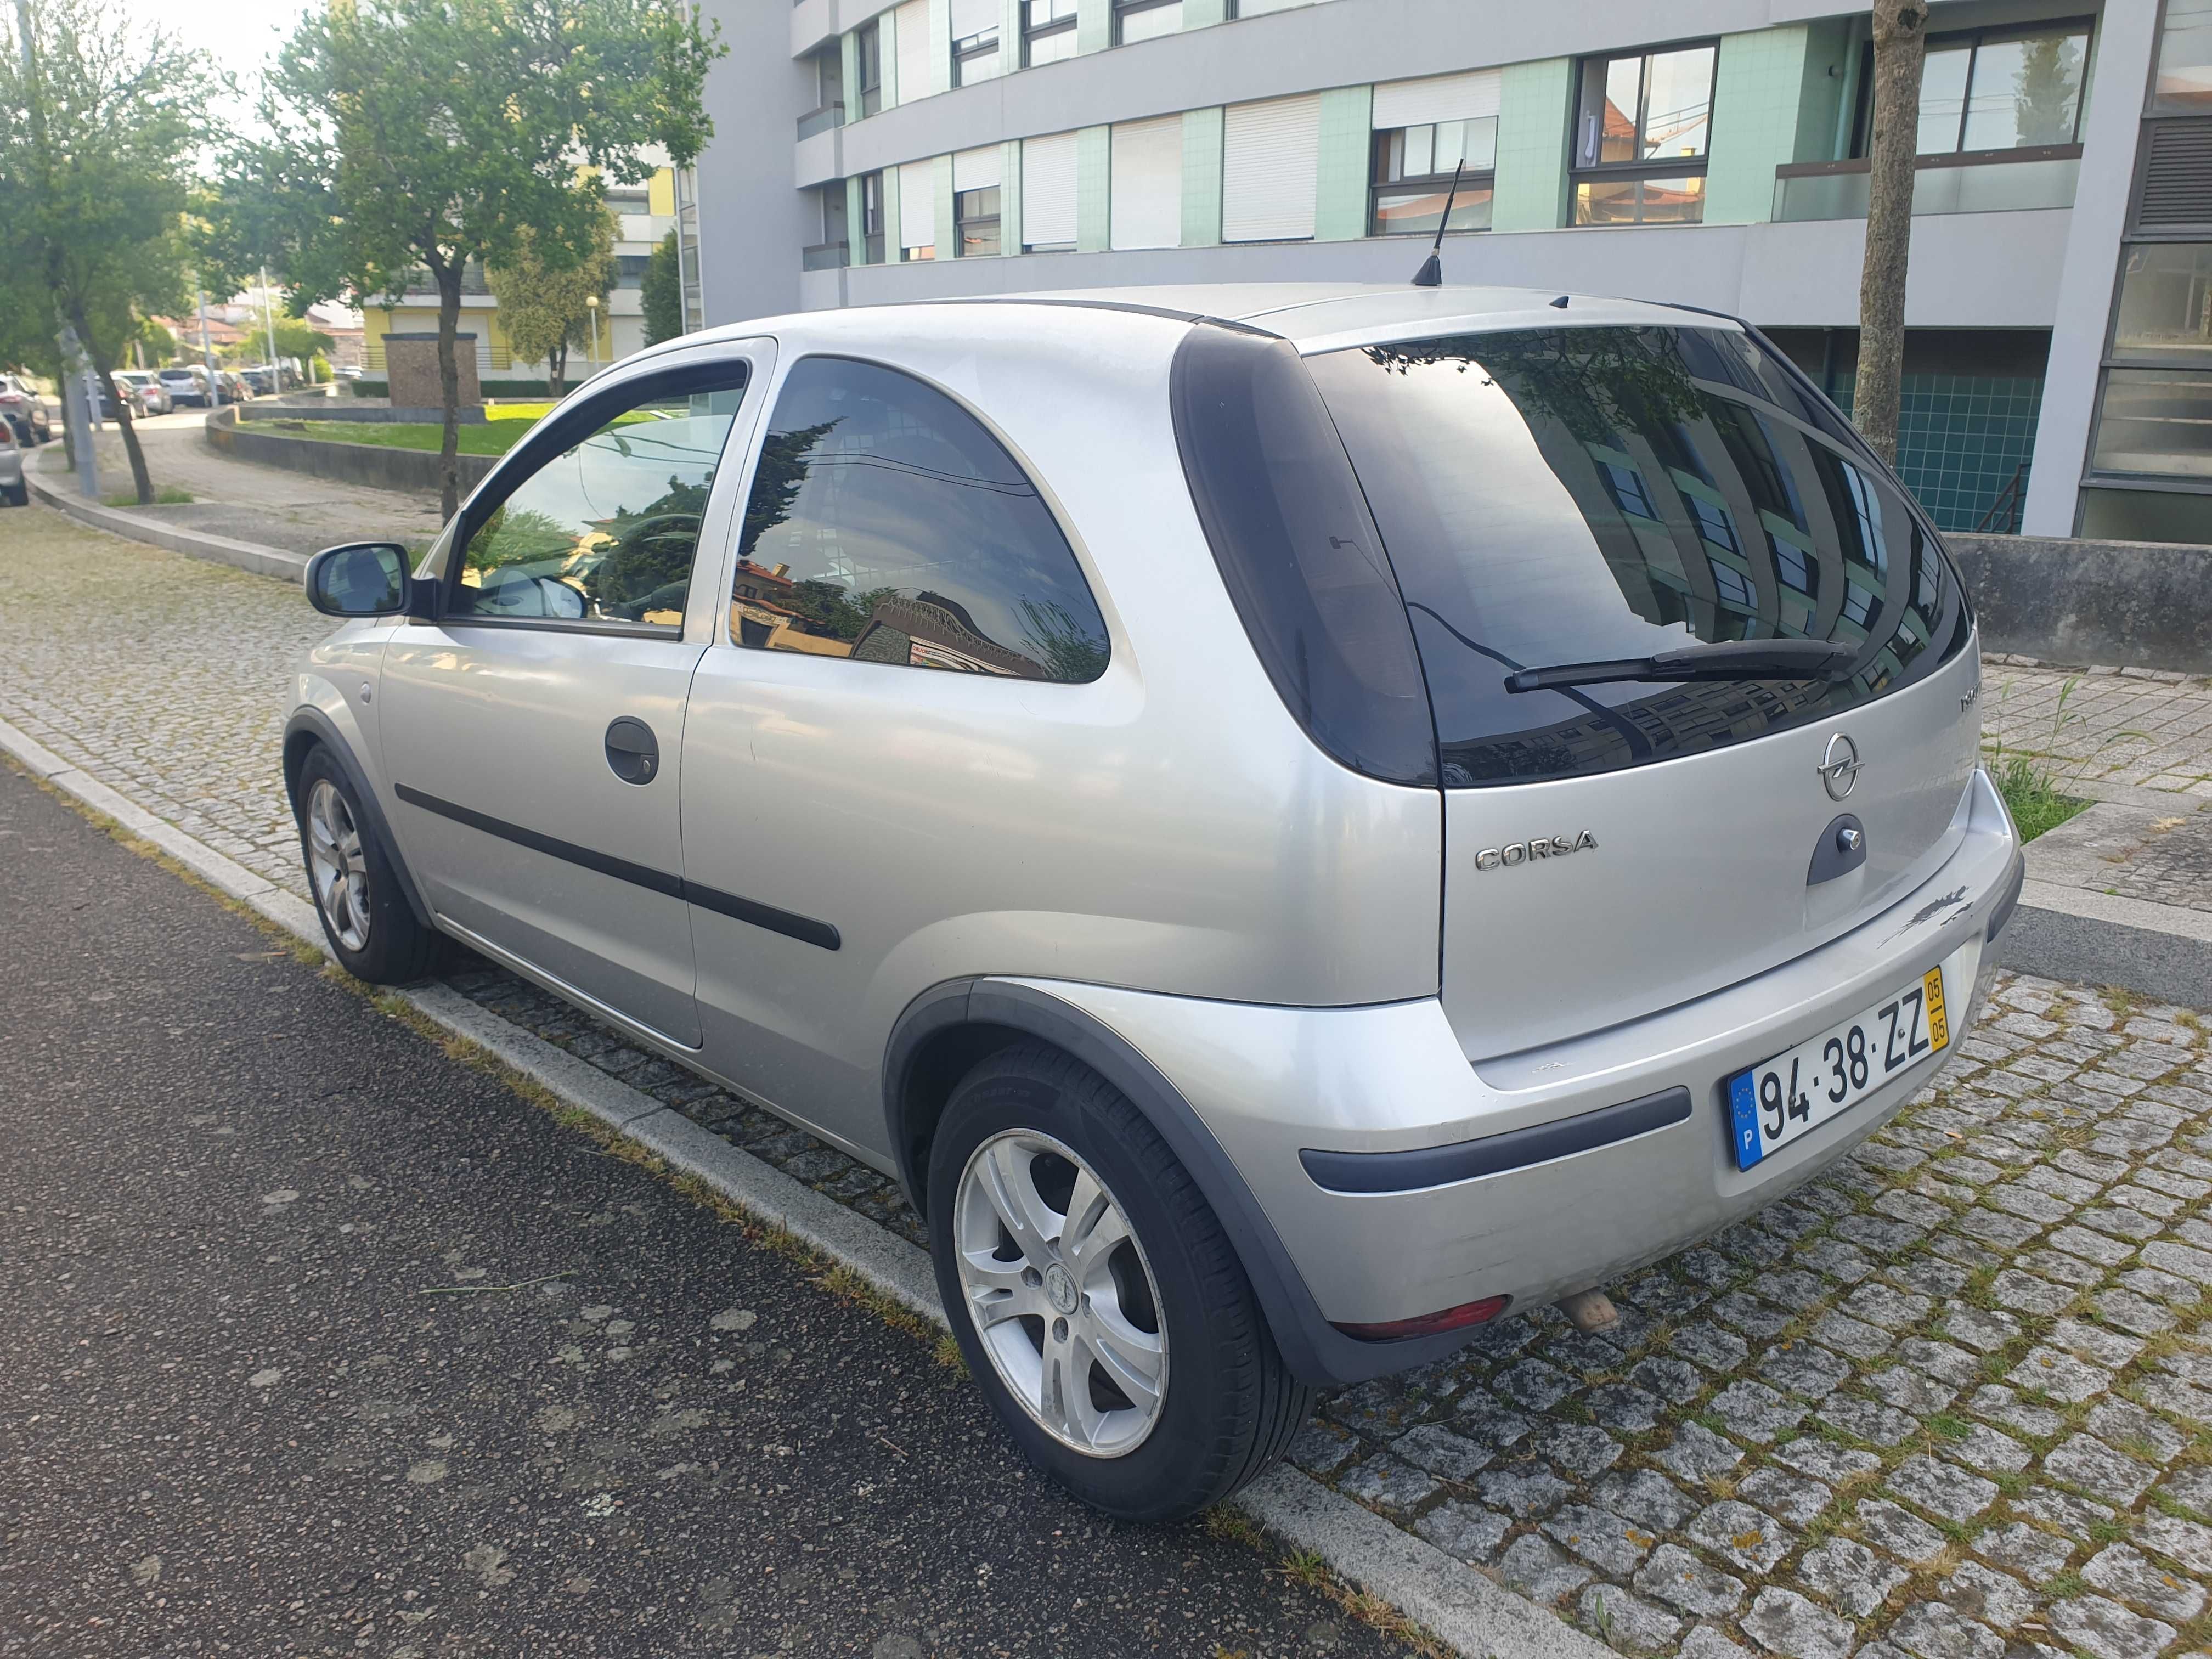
(533, 729)
(912, 661)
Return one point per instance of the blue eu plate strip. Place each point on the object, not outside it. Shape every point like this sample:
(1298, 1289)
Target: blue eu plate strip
(1743, 1106)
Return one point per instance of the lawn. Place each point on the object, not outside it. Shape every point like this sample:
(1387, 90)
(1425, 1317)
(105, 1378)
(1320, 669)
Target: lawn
(2037, 802)
(493, 438)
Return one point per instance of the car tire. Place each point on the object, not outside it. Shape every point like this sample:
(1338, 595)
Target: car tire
(1148, 1284)
(20, 495)
(372, 929)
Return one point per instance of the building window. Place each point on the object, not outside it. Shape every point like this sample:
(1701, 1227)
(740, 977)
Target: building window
(917, 210)
(829, 109)
(1049, 193)
(1993, 89)
(1144, 20)
(872, 218)
(1237, 9)
(975, 41)
(1047, 31)
(2184, 86)
(1412, 176)
(1640, 137)
(831, 253)
(975, 221)
(870, 54)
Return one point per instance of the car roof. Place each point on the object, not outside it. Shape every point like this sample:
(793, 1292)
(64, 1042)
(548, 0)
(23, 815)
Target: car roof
(1314, 316)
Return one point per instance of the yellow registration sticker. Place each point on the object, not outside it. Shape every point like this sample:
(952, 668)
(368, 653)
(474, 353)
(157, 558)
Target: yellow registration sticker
(1939, 1023)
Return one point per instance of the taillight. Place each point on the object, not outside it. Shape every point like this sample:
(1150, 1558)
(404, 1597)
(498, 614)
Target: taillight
(1450, 1319)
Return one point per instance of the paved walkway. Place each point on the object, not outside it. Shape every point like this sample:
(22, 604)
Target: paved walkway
(2109, 727)
(247, 501)
(1954, 1400)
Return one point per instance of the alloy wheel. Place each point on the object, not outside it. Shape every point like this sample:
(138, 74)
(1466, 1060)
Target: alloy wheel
(1060, 1294)
(338, 865)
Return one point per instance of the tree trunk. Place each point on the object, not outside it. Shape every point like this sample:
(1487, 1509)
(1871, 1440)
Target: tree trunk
(449, 385)
(556, 370)
(1900, 41)
(142, 482)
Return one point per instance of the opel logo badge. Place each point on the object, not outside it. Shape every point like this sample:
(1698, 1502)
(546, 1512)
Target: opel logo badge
(1839, 767)
(1060, 1289)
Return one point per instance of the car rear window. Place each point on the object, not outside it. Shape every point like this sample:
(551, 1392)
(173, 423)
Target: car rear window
(1565, 495)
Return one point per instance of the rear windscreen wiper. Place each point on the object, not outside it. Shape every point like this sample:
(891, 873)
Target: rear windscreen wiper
(1722, 660)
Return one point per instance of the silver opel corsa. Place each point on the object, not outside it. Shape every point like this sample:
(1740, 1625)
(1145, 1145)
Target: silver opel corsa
(1293, 819)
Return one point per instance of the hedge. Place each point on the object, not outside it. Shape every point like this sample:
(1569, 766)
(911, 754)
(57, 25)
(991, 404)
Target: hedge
(490, 388)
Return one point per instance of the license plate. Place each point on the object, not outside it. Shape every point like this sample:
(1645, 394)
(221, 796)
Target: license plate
(1780, 1099)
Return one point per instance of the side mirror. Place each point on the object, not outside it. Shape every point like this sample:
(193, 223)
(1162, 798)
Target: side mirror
(360, 578)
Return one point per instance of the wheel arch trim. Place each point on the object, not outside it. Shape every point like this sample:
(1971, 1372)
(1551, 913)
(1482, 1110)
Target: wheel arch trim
(309, 727)
(1316, 1351)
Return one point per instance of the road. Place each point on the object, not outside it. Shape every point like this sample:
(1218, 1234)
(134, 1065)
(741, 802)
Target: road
(267, 1390)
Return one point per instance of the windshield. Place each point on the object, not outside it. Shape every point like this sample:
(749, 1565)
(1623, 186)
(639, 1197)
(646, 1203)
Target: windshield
(1557, 495)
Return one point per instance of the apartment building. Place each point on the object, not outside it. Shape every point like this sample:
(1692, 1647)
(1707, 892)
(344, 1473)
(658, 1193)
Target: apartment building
(1709, 152)
(644, 214)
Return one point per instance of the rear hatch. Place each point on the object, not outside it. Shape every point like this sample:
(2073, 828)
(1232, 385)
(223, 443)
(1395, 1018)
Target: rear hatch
(1572, 495)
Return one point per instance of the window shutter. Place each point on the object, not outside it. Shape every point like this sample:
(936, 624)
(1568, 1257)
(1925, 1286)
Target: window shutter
(1466, 97)
(1270, 163)
(1048, 190)
(910, 38)
(2177, 188)
(918, 204)
(1146, 195)
(975, 170)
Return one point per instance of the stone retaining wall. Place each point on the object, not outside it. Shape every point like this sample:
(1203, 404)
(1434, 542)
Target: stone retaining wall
(2140, 605)
(362, 463)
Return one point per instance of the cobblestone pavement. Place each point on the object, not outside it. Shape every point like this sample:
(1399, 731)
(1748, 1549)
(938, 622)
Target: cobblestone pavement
(246, 500)
(162, 677)
(1952, 1401)
(2103, 726)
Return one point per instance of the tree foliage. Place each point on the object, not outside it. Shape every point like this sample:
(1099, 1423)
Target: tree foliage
(412, 137)
(545, 308)
(96, 138)
(663, 294)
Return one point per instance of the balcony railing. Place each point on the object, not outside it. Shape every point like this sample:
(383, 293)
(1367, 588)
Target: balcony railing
(824, 256)
(821, 120)
(1973, 181)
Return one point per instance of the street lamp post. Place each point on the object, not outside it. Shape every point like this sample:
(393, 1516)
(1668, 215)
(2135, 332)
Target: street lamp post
(592, 305)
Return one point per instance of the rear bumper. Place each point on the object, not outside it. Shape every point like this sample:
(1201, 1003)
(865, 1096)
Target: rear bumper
(1272, 1084)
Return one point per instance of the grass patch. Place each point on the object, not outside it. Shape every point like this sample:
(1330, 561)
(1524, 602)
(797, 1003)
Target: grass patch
(493, 438)
(167, 495)
(2037, 803)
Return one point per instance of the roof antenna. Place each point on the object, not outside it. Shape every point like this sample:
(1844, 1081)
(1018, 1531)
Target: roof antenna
(1431, 273)
(1559, 304)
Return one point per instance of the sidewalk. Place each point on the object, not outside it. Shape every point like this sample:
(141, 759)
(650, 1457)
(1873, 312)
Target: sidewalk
(239, 499)
(1953, 1398)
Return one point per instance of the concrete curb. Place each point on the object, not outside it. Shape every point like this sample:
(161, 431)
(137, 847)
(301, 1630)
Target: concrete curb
(1470, 1612)
(2069, 927)
(192, 543)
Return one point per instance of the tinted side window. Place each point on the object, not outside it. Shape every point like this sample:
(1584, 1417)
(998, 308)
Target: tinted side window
(1568, 494)
(605, 530)
(887, 525)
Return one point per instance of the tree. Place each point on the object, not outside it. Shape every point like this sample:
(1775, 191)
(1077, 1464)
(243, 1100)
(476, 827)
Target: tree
(99, 124)
(544, 309)
(415, 137)
(1900, 41)
(662, 292)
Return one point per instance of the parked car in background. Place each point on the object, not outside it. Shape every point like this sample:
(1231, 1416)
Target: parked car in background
(1291, 820)
(189, 383)
(349, 372)
(234, 390)
(260, 380)
(154, 398)
(14, 489)
(24, 411)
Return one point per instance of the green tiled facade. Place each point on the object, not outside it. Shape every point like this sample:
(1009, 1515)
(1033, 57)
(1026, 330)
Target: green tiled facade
(1756, 87)
(1346, 143)
(1961, 439)
(1534, 114)
(1202, 178)
(1094, 164)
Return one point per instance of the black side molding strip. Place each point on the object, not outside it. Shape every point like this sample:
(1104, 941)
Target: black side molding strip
(804, 929)
(1439, 1166)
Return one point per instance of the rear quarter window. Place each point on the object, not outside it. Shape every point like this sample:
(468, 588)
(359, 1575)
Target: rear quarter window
(1567, 494)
